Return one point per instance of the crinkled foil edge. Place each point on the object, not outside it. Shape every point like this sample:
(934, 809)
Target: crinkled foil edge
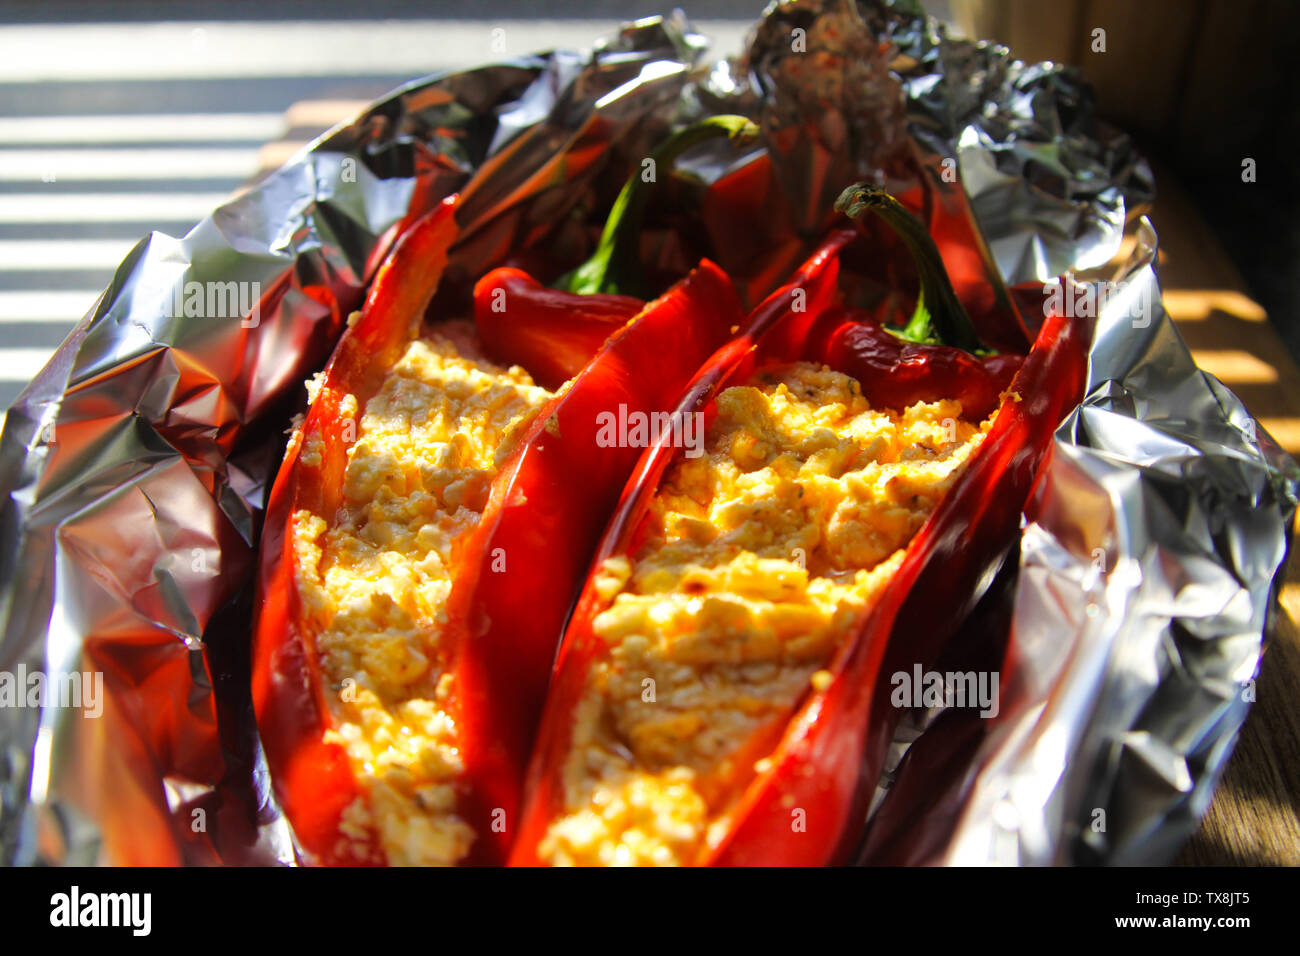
(134, 467)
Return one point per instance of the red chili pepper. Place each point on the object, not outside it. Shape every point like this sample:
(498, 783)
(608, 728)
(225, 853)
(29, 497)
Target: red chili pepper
(921, 360)
(544, 514)
(831, 752)
(969, 262)
(551, 333)
(615, 265)
(312, 778)
(544, 517)
(895, 374)
(789, 308)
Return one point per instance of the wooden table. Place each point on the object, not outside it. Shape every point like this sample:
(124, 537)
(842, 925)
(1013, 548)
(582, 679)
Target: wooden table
(1255, 816)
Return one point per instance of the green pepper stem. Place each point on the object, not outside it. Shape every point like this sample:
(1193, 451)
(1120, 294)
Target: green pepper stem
(614, 266)
(940, 317)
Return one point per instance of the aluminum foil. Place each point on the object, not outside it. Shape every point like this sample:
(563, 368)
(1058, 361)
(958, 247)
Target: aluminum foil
(1050, 184)
(1147, 575)
(134, 467)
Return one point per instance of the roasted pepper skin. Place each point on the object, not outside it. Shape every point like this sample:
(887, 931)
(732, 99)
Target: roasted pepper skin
(1002, 369)
(834, 748)
(551, 333)
(516, 573)
(544, 517)
(788, 309)
(312, 778)
(896, 374)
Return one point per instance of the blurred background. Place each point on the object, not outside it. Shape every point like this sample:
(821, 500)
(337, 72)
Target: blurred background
(124, 117)
(121, 117)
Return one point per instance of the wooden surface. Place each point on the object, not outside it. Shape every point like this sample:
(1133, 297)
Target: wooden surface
(1203, 80)
(1255, 816)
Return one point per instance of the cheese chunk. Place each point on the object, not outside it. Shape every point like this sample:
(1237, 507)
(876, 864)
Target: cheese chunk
(762, 553)
(376, 575)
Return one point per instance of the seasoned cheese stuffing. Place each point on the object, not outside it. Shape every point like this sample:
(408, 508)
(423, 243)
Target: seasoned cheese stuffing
(761, 553)
(376, 576)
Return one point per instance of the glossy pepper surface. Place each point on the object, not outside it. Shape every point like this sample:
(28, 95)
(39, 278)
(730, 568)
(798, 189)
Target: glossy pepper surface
(785, 311)
(550, 332)
(830, 754)
(833, 751)
(517, 573)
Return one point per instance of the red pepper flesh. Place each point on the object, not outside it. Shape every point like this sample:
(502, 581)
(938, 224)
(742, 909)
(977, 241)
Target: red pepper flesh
(823, 765)
(551, 333)
(832, 753)
(545, 515)
(786, 309)
(897, 374)
(312, 779)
